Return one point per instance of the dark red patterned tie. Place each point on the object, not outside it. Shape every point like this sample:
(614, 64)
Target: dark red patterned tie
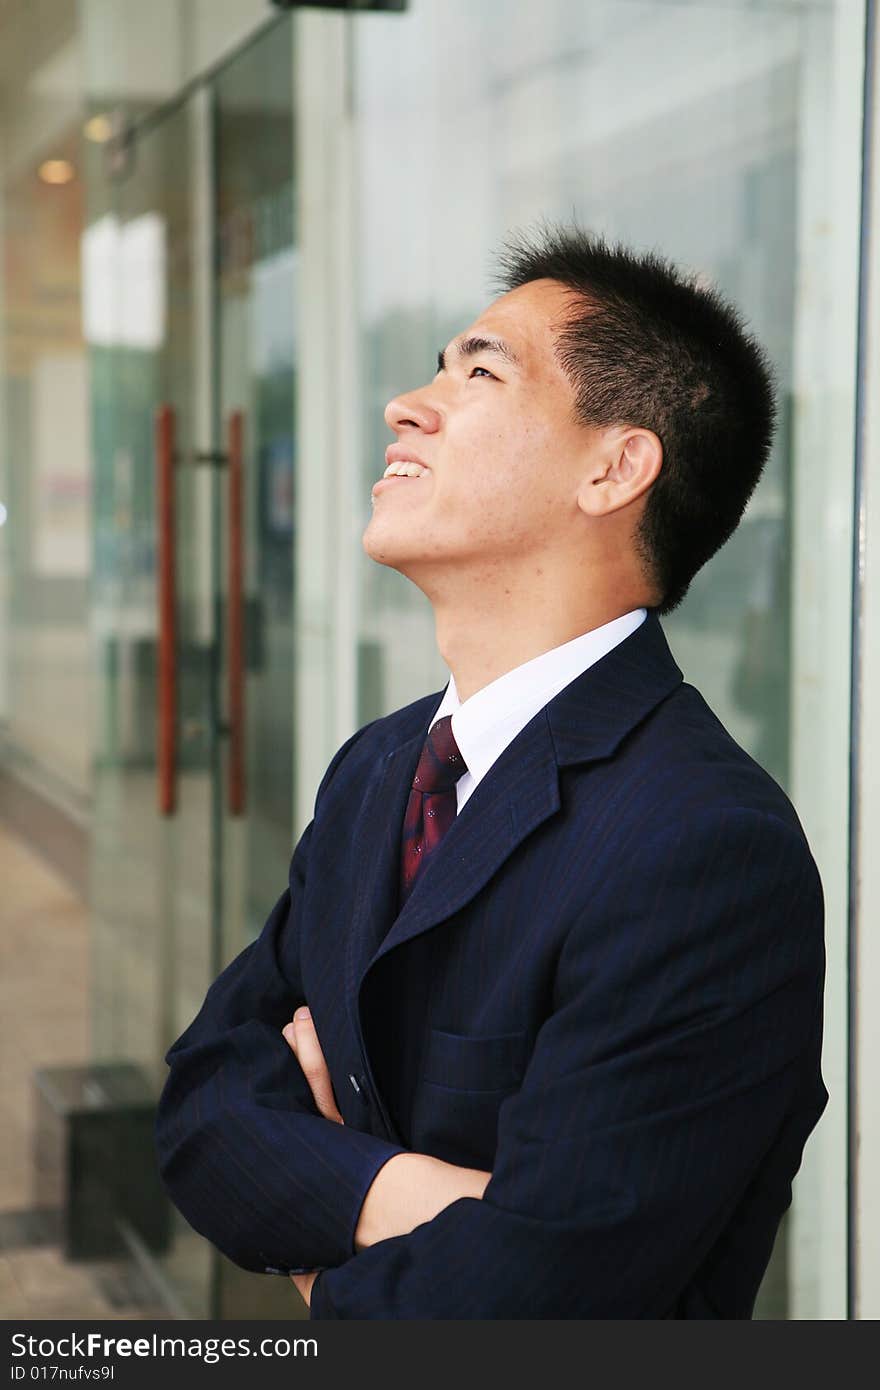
(432, 804)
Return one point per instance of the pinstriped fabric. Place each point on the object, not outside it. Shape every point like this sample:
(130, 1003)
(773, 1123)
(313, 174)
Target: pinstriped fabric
(241, 1146)
(607, 991)
(431, 807)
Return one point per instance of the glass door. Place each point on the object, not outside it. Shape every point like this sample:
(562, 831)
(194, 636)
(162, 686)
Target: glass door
(254, 299)
(157, 741)
(191, 254)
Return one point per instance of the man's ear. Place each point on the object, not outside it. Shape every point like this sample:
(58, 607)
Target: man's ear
(628, 463)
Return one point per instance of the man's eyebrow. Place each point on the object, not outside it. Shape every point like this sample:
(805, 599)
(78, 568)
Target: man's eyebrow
(469, 347)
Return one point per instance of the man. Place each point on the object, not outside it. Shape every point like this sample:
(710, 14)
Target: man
(558, 938)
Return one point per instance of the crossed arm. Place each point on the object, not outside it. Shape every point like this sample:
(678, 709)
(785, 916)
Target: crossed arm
(407, 1190)
(686, 1014)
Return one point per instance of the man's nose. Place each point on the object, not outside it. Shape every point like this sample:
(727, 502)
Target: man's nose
(412, 408)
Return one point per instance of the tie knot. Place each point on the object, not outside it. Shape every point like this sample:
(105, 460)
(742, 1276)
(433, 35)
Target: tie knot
(441, 763)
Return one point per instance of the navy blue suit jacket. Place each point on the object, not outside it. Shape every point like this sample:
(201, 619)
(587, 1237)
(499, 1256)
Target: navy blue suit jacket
(605, 987)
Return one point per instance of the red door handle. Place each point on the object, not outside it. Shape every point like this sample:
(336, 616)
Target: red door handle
(235, 618)
(166, 753)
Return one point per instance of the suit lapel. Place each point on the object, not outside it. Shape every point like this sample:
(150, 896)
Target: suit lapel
(585, 721)
(520, 791)
(376, 894)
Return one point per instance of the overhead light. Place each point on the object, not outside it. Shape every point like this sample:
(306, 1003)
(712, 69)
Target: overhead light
(56, 171)
(99, 128)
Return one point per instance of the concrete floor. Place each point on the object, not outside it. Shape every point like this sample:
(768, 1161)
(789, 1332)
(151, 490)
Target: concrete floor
(44, 1002)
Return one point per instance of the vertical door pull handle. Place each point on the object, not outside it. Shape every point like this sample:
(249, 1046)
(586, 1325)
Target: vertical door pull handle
(166, 753)
(235, 611)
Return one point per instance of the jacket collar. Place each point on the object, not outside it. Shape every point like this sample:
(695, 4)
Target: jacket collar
(594, 713)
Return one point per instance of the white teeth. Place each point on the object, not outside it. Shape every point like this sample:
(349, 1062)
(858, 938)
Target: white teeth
(405, 469)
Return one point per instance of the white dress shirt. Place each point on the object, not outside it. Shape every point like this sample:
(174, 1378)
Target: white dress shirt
(485, 723)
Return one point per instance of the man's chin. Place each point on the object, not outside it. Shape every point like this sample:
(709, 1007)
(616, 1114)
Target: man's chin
(389, 549)
(391, 558)
(404, 558)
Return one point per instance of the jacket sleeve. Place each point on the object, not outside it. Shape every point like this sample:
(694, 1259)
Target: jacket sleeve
(686, 1016)
(243, 1151)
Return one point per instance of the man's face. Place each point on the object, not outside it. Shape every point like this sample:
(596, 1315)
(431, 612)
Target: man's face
(504, 453)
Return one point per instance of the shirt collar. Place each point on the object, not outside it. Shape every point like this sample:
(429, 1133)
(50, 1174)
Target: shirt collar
(485, 723)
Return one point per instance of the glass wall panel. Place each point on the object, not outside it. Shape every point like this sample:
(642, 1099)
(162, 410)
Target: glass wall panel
(45, 461)
(189, 281)
(725, 135)
(68, 70)
(152, 902)
(257, 271)
(138, 56)
(866, 754)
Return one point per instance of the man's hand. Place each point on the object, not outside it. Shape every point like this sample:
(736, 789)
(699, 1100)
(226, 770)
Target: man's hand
(407, 1190)
(302, 1039)
(304, 1283)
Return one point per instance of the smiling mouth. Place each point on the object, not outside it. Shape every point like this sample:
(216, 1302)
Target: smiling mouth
(405, 468)
(405, 471)
(393, 478)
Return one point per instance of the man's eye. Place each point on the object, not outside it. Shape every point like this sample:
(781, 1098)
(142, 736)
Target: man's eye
(482, 369)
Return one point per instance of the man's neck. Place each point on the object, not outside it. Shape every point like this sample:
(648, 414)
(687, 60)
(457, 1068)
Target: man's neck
(478, 647)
